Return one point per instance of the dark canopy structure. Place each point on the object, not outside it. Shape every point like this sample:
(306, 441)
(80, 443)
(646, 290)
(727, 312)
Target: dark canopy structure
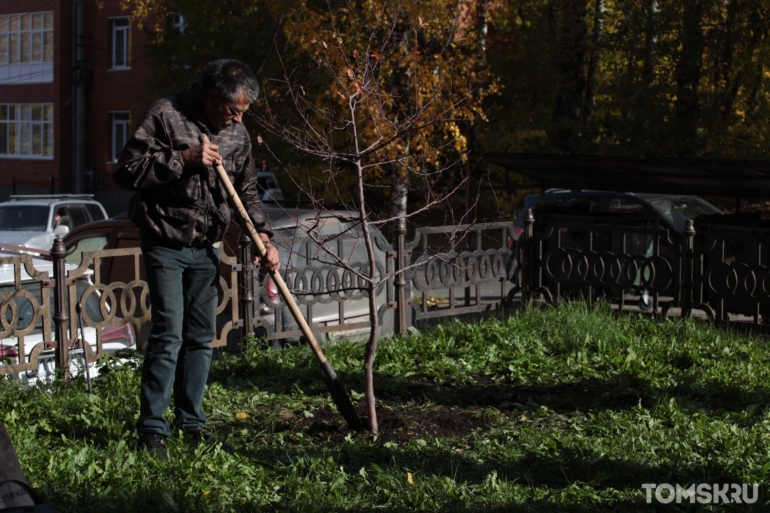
(703, 177)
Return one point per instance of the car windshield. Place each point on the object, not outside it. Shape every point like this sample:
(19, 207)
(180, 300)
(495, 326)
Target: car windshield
(23, 218)
(679, 210)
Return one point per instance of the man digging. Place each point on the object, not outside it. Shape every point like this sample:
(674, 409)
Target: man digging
(182, 213)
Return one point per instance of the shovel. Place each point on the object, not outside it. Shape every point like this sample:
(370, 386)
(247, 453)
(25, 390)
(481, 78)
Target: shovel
(333, 383)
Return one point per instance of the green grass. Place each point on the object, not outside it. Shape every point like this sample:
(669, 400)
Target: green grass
(573, 410)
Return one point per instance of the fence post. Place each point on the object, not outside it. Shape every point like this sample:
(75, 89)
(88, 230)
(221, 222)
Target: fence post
(527, 266)
(246, 285)
(688, 263)
(61, 314)
(399, 230)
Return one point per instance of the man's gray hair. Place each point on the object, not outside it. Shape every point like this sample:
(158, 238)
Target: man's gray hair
(230, 78)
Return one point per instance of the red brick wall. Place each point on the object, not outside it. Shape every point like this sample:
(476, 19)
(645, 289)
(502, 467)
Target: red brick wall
(58, 92)
(111, 91)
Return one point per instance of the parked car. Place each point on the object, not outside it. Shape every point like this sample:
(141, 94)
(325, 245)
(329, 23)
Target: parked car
(669, 211)
(114, 338)
(289, 224)
(662, 211)
(35, 221)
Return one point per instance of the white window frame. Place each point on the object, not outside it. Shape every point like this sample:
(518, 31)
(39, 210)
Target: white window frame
(17, 122)
(26, 47)
(115, 126)
(122, 32)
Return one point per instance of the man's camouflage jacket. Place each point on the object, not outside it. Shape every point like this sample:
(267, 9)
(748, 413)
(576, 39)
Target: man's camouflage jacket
(185, 206)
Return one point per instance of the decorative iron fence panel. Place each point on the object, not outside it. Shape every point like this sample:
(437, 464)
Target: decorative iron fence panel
(722, 270)
(437, 266)
(24, 311)
(121, 303)
(731, 275)
(103, 305)
(326, 277)
(600, 260)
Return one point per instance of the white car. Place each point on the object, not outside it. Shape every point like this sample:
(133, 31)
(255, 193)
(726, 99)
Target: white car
(35, 221)
(114, 338)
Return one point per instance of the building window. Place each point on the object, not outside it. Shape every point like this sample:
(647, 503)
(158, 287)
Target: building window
(26, 48)
(119, 133)
(120, 43)
(26, 130)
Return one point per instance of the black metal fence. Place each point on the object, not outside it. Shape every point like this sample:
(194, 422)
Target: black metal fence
(442, 272)
(721, 270)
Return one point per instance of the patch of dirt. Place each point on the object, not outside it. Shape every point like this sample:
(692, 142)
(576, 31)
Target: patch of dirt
(410, 409)
(397, 422)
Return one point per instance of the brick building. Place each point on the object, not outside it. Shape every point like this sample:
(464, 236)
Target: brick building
(66, 109)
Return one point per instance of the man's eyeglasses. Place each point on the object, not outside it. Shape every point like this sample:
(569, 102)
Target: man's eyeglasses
(235, 112)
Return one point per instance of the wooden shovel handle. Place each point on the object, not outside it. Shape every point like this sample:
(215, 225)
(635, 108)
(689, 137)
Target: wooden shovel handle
(277, 278)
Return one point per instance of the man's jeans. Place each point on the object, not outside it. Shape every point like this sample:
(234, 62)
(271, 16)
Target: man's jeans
(183, 294)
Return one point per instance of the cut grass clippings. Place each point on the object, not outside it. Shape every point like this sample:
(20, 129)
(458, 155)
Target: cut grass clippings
(560, 409)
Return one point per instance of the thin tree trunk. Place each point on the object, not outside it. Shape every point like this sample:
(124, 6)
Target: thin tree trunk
(733, 81)
(756, 91)
(688, 73)
(483, 29)
(371, 345)
(566, 118)
(650, 42)
(593, 64)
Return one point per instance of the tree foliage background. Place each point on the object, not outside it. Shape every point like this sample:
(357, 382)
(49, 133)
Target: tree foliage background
(641, 78)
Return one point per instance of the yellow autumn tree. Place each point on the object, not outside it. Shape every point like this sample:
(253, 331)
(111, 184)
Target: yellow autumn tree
(429, 56)
(391, 103)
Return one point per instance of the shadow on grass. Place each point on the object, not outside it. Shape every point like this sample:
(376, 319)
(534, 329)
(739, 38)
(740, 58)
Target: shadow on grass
(569, 480)
(621, 392)
(567, 471)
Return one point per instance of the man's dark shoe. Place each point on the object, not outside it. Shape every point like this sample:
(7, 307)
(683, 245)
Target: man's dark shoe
(154, 444)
